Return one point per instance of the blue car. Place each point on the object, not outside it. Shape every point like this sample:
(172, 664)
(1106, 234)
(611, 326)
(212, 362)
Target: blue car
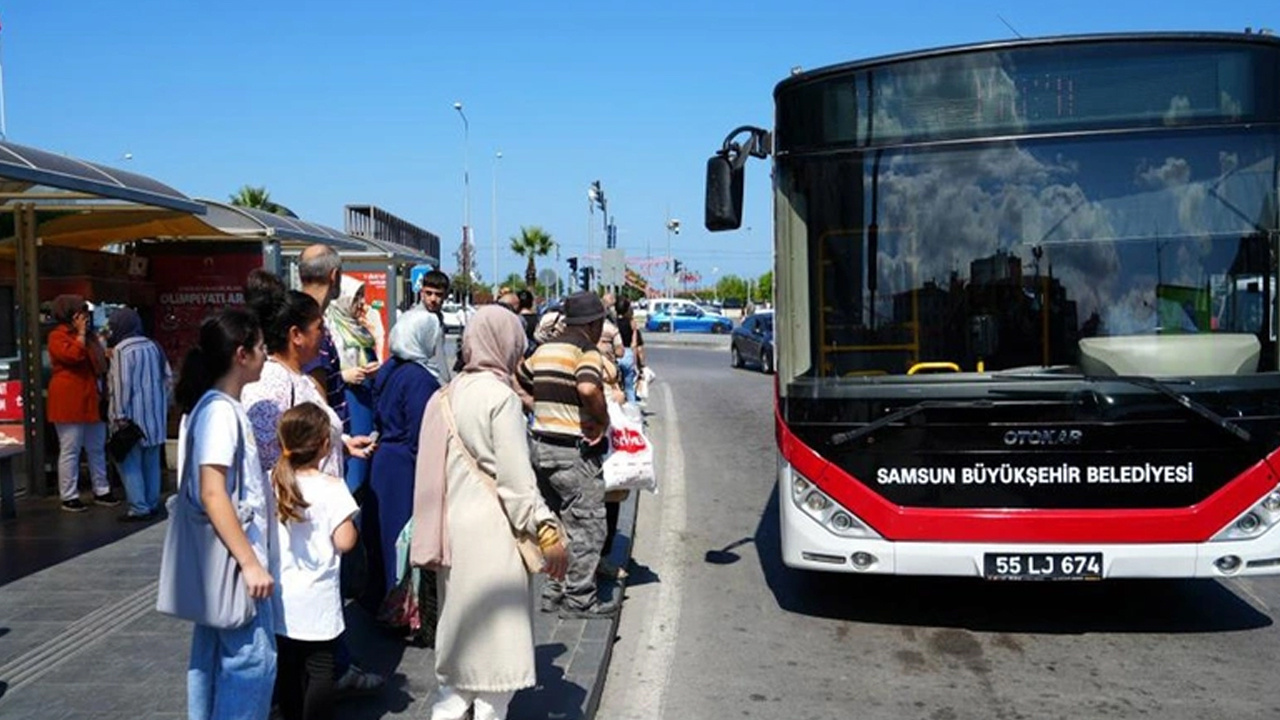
(752, 342)
(688, 318)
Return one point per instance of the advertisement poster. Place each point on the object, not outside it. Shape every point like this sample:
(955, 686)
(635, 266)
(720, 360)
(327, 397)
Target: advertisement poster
(375, 300)
(10, 401)
(190, 287)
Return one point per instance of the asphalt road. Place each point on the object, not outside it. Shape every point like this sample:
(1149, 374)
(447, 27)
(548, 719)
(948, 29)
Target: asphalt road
(716, 627)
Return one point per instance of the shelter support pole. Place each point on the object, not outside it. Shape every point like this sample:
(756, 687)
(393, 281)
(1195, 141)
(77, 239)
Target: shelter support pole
(30, 363)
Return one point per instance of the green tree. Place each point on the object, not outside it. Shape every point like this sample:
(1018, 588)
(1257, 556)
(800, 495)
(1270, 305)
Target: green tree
(731, 287)
(259, 199)
(764, 288)
(532, 242)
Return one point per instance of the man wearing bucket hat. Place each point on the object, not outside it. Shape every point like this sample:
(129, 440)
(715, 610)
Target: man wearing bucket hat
(568, 444)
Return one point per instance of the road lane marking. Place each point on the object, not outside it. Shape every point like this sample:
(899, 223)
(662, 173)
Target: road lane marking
(646, 690)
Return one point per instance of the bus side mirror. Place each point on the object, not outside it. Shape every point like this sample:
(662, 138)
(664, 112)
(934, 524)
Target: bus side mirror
(724, 194)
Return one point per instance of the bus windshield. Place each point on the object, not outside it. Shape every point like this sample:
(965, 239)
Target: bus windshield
(1013, 254)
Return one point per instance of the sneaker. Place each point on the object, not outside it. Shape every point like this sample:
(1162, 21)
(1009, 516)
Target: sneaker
(74, 505)
(550, 604)
(359, 682)
(107, 499)
(131, 518)
(594, 610)
(608, 571)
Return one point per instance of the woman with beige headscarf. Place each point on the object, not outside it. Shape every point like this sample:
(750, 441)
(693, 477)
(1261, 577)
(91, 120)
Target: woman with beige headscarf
(484, 638)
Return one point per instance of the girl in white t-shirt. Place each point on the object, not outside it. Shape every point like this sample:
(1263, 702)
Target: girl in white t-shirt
(314, 529)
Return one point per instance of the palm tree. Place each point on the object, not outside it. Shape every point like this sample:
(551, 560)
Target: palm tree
(259, 198)
(532, 242)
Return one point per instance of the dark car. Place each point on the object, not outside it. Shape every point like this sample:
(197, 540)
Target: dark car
(752, 342)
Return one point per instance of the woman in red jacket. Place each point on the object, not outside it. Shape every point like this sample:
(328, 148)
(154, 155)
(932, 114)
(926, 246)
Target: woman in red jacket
(78, 362)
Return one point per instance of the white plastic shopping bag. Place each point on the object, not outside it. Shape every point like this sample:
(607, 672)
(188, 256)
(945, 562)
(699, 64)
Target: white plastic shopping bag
(630, 464)
(643, 382)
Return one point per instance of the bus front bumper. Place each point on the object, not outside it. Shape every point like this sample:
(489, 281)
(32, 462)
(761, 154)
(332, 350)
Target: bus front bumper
(806, 544)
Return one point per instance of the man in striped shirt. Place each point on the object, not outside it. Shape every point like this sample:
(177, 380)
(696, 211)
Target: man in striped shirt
(570, 417)
(139, 381)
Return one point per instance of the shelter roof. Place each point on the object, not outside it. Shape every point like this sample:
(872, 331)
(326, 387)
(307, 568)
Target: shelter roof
(28, 173)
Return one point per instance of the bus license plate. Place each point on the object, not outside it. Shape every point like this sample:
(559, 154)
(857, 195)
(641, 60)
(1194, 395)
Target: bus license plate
(1042, 566)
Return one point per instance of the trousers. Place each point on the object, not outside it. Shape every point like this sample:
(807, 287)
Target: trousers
(574, 489)
(453, 704)
(140, 474)
(232, 672)
(72, 438)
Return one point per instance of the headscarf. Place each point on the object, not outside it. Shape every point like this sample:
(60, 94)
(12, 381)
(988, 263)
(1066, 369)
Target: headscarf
(416, 338)
(125, 323)
(341, 318)
(493, 341)
(64, 307)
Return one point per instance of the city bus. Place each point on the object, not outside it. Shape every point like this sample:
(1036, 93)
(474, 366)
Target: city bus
(1025, 308)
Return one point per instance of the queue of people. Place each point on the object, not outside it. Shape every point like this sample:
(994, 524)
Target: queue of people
(301, 447)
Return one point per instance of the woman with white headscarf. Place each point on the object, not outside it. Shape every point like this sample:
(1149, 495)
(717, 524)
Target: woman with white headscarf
(401, 390)
(357, 353)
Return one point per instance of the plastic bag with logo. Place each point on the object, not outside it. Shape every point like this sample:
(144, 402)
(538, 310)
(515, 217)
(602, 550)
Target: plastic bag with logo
(630, 464)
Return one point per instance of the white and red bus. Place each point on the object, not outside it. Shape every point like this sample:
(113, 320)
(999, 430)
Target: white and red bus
(1025, 308)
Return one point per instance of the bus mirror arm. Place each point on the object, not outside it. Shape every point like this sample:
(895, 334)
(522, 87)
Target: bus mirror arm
(725, 172)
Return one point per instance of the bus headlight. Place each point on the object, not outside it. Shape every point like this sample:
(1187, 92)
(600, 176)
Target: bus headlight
(821, 507)
(1254, 521)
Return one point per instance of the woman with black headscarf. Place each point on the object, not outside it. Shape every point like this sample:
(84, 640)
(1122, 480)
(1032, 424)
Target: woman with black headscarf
(138, 382)
(78, 362)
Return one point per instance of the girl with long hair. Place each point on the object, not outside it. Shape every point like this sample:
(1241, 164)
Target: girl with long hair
(315, 528)
(231, 671)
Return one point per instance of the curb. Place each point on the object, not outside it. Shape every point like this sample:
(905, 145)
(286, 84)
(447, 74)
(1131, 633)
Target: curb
(620, 556)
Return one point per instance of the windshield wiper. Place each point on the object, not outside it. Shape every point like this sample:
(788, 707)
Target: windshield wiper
(1147, 383)
(844, 438)
(1182, 399)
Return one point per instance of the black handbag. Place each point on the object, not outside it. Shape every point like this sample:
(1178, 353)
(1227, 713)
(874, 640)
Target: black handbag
(123, 438)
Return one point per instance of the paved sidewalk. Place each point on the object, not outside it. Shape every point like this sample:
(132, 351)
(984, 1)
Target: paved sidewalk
(81, 640)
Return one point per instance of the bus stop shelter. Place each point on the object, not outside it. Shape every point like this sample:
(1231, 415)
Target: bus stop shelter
(38, 188)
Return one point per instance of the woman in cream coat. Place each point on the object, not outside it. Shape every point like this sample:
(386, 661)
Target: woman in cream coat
(484, 639)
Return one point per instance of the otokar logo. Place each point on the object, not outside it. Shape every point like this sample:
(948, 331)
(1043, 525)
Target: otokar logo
(1043, 437)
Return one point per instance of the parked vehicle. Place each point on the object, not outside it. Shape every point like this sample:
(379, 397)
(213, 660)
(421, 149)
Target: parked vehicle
(687, 318)
(752, 343)
(455, 318)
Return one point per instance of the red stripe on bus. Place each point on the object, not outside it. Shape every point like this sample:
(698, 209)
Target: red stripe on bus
(1193, 524)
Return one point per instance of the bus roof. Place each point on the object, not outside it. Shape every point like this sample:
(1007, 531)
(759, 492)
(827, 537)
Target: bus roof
(1179, 37)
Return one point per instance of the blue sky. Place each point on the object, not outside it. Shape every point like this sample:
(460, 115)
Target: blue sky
(329, 103)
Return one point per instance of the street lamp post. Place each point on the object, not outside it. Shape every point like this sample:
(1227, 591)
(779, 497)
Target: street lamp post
(493, 221)
(466, 202)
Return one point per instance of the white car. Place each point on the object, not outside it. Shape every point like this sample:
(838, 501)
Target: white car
(455, 318)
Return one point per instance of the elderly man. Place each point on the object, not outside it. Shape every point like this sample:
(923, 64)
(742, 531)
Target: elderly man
(570, 417)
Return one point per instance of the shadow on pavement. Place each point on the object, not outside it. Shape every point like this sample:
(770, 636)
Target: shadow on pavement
(726, 554)
(383, 652)
(640, 574)
(555, 696)
(1123, 606)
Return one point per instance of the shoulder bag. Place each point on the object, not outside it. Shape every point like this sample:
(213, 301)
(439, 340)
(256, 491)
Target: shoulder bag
(124, 436)
(200, 580)
(526, 544)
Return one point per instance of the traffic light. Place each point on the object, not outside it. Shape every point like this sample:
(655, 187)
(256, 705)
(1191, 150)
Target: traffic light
(675, 267)
(584, 277)
(573, 266)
